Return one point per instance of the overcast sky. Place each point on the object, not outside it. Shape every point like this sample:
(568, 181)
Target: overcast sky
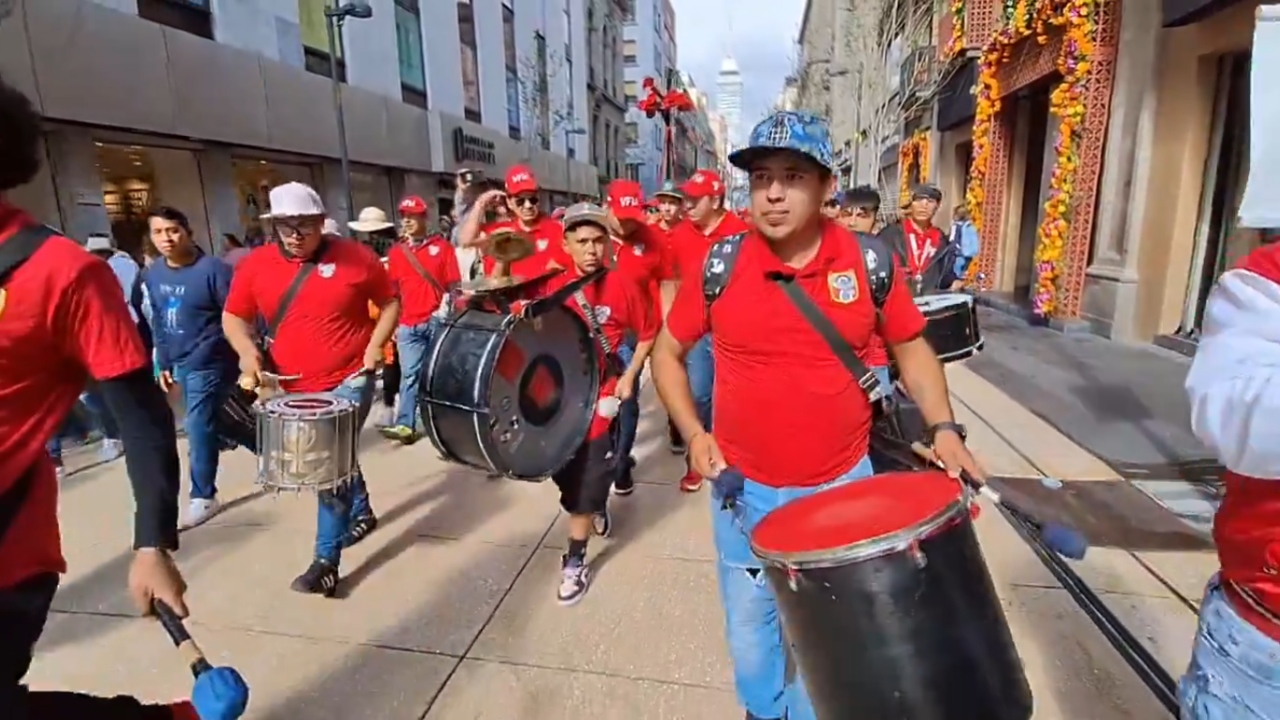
(761, 37)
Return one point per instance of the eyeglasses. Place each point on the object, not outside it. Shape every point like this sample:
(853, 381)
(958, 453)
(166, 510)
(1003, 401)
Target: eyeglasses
(295, 229)
(525, 201)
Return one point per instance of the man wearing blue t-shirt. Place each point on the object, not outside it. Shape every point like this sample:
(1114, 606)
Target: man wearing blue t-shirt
(187, 290)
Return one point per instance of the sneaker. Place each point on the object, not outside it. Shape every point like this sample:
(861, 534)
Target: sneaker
(383, 417)
(360, 529)
(319, 579)
(110, 450)
(199, 512)
(626, 483)
(691, 482)
(405, 435)
(575, 578)
(602, 523)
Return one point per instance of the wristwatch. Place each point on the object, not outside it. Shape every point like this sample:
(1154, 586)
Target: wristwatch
(954, 427)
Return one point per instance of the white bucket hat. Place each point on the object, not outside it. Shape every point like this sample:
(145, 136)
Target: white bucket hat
(293, 199)
(371, 219)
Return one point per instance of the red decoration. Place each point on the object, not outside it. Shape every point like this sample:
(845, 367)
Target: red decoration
(665, 104)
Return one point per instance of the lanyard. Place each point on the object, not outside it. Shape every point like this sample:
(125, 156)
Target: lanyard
(922, 248)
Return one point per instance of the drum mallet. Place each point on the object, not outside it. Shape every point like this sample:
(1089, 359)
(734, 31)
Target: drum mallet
(219, 692)
(1064, 540)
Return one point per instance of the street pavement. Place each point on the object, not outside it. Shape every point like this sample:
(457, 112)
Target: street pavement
(448, 610)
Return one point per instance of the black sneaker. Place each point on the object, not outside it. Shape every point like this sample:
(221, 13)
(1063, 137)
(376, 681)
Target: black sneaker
(626, 482)
(575, 578)
(319, 579)
(360, 529)
(602, 523)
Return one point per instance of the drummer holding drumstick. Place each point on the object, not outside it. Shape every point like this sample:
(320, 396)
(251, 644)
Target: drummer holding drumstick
(789, 417)
(325, 341)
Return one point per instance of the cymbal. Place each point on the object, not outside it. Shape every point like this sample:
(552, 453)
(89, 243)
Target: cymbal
(508, 245)
(480, 286)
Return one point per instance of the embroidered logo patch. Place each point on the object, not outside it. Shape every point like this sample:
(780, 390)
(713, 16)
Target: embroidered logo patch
(433, 250)
(325, 270)
(843, 286)
(542, 245)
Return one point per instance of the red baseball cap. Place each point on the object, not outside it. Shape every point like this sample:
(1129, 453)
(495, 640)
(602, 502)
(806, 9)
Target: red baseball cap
(413, 205)
(626, 200)
(520, 180)
(703, 183)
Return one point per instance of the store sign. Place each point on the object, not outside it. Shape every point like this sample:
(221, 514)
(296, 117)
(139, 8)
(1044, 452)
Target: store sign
(471, 149)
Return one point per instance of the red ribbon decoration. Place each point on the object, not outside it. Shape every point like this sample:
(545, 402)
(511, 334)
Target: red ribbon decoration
(664, 104)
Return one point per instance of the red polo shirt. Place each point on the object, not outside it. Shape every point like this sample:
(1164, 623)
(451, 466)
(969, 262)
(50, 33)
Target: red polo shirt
(548, 247)
(328, 327)
(689, 244)
(787, 413)
(419, 297)
(641, 257)
(62, 322)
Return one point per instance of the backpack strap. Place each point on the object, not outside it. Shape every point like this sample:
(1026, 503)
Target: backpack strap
(718, 267)
(20, 247)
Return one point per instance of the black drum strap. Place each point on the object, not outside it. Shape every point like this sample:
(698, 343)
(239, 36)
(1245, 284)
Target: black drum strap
(593, 322)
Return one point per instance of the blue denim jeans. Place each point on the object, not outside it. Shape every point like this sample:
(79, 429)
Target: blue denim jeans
(101, 415)
(1235, 668)
(350, 501)
(413, 343)
(700, 364)
(203, 390)
(629, 413)
(767, 686)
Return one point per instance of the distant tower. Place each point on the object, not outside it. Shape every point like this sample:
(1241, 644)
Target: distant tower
(729, 99)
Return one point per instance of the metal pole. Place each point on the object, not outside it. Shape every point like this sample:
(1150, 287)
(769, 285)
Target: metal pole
(330, 25)
(568, 170)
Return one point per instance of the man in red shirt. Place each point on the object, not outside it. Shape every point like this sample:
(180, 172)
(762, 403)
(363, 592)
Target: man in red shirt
(521, 197)
(708, 222)
(921, 246)
(425, 269)
(326, 338)
(670, 206)
(1234, 390)
(789, 417)
(615, 307)
(638, 251)
(64, 322)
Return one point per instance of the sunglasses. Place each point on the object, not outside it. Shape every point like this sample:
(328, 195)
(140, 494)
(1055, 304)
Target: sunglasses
(525, 201)
(295, 229)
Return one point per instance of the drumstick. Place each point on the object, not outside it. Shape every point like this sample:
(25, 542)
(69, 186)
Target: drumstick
(187, 647)
(1062, 539)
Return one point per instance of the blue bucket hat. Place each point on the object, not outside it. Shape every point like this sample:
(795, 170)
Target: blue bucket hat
(799, 132)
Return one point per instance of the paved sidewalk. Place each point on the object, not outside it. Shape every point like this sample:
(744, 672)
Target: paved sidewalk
(449, 611)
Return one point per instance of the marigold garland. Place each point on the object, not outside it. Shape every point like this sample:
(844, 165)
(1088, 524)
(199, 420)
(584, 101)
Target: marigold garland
(1078, 19)
(956, 42)
(913, 152)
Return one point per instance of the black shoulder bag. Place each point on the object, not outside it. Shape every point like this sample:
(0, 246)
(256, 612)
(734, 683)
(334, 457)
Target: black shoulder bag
(14, 252)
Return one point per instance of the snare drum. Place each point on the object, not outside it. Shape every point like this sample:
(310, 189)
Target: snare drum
(888, 605)
(952, 325)
(307, 441)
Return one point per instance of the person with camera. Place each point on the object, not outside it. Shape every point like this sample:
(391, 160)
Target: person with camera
(520, 196)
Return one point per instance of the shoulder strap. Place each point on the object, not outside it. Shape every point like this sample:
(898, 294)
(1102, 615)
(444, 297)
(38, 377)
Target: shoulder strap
(866, 378)
(718, 267)
(20, 247)
(593, 322)
(304, 271)
(418, 268)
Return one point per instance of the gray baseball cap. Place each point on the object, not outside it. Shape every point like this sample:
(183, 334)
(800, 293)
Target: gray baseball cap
(581, 213)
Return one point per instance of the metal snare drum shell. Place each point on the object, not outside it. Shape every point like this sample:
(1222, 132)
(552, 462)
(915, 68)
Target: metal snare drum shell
(307, 441)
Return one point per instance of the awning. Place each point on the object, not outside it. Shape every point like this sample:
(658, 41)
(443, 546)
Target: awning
(1178, 13)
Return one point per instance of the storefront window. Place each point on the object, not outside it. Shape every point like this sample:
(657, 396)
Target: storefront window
(254, 180)
(136, 179)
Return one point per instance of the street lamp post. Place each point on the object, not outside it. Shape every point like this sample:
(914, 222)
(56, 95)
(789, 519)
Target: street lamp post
(568, 160)
(335, 16)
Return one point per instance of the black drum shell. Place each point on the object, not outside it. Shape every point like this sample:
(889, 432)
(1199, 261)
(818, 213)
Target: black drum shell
(889, 639)
(952, 330)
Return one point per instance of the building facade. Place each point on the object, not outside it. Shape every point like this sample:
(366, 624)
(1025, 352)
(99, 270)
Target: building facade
(206, 105)
(606, 20)
(649, 51)
(729, 109)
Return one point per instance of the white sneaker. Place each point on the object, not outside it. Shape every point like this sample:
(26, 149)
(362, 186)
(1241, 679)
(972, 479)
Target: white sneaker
(383, 416)
(110, 450)
(199, 512)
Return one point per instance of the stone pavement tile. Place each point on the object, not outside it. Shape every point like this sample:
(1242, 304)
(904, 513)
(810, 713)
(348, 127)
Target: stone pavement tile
(1009, 559)
(655, 521)
(435, 594)
(1164, 626)
(1114, 570)
(645, 617)
(996, 455)
(1074, 673)
(1049, 449)
(500, 691)
(290, 678)
(1186, 572)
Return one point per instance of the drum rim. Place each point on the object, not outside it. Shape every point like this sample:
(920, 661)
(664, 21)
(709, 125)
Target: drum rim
(336, 405)
(869, 549)
(965, 299)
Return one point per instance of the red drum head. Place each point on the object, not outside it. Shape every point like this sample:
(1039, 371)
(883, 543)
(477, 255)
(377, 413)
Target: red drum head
(857, 513)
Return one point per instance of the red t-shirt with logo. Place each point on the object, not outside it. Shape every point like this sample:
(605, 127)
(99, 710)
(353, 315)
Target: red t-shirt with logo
(419, 297)
(62, 322)
(327, 327)
(818, 421)
(548, 248)
(690, 244)
(641, 257)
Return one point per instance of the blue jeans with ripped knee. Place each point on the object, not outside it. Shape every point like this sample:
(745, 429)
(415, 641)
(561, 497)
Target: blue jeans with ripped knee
(1235, 668)
(767, 685)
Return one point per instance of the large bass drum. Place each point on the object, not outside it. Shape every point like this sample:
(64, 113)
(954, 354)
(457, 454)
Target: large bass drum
(888, 605)
(508, 395)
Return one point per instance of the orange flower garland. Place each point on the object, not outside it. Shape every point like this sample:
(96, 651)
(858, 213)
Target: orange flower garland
(956, 42)
(914, 151)
(1078, 18)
